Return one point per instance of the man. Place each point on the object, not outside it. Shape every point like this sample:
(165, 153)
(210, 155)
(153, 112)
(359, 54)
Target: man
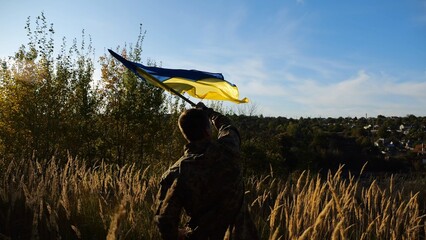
(206, 182)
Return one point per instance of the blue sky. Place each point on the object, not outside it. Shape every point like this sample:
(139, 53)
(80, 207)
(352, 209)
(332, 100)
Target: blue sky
(295, 58)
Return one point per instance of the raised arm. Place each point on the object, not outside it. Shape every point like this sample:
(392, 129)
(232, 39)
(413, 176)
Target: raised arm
(227, 132)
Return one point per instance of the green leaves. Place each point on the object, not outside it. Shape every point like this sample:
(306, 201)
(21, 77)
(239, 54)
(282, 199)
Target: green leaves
(52, 105)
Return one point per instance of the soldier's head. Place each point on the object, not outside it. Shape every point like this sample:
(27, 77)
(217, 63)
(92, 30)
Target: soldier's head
(194, 125)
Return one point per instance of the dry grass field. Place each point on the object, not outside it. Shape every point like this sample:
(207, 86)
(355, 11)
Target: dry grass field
(48, 200)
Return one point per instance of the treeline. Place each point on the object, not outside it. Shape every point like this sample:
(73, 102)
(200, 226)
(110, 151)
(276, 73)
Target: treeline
(320, 144)
(51, 105)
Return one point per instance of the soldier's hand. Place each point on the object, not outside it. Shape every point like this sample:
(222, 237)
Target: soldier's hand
(182, 233)
(201, 105)
(207, 110)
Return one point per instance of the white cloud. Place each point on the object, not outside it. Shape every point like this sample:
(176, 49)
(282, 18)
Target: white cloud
(253, 78)
(411, 89)
(349, 91)
(364, 93)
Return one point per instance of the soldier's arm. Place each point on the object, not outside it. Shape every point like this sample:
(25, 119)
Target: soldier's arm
(227, 133)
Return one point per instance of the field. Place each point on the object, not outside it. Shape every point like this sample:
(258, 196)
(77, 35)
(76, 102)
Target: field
(71, 200)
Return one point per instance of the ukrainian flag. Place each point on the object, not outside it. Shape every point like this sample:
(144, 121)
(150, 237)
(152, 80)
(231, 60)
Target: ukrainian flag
(196, 83)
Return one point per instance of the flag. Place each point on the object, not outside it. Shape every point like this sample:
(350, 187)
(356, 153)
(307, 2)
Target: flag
(196, 83)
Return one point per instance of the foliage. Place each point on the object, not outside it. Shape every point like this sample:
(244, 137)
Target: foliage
(320, 144)
(52, 105)
(47, 103)
(132, 109)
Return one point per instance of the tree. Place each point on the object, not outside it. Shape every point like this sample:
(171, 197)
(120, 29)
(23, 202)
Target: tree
(28, 99)
(45, 99)
(134, 110)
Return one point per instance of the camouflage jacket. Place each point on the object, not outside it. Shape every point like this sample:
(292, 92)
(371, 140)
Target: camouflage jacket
(207, 183)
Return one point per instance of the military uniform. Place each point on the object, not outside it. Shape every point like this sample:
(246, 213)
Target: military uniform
(207, 183)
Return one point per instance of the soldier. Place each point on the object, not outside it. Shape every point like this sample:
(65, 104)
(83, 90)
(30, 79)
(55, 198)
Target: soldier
(206, 182)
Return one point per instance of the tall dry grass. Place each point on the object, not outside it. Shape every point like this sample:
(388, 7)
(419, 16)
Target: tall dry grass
(74, 201)
(48, 200)
(335, 207)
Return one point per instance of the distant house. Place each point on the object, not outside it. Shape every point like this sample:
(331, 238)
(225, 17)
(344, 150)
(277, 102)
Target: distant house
(420, 149)
(404, 129)
(382, 142)
(409, 145)
(387, 147)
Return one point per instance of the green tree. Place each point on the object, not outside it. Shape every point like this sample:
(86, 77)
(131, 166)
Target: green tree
(45, 99)
(134, 110)
(28, 95)
(82, 101)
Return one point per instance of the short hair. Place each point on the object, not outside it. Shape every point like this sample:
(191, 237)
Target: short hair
(192, 123)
